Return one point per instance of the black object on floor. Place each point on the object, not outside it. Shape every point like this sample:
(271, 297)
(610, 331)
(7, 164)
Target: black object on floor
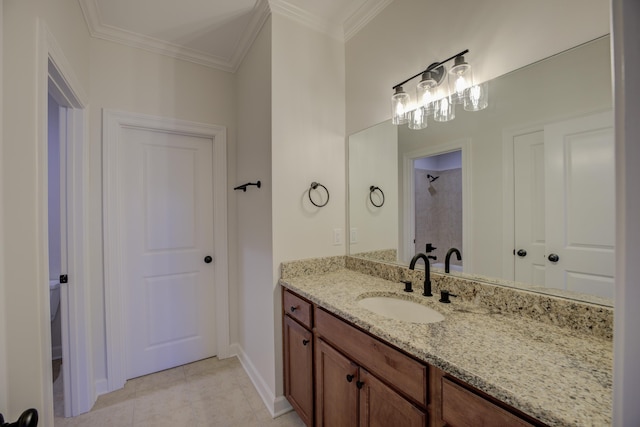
(29, 418)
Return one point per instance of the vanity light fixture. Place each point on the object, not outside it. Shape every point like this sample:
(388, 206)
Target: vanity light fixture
(437, 95)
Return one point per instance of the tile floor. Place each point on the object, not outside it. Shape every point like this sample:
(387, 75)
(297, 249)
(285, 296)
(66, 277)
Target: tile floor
(208, 393)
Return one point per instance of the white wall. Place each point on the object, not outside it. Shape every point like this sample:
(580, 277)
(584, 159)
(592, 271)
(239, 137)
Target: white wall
(626, 379)
(373, 156)
(308, 144)
(254, 287)
(139, 81)
(502, 35)
(28, 379)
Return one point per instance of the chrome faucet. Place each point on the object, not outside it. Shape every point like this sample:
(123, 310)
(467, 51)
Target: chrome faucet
(427, 271)
(448, 257)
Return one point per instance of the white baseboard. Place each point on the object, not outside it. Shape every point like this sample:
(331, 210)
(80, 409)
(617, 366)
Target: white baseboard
(101, 386)
(275, 405)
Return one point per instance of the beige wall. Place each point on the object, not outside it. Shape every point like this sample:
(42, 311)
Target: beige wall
(308, 144)
(4, 392)
(502, 36)
(28, 379)
(373, 156)
(254, 334)
(138, 81)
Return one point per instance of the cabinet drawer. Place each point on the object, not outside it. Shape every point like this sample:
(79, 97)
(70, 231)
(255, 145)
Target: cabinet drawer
(461, 407)
(408, 376)
(297, 308)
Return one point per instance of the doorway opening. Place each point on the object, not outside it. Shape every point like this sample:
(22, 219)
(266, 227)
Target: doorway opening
(438, 206)
(56, 147)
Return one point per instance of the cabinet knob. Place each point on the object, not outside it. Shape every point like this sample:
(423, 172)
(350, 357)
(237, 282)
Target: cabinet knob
(359, 384)
(305, 342)
(553, 257)
(349, 378)
(293, 309)
(522, 253)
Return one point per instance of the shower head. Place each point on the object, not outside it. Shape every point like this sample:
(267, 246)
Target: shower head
(432, 178)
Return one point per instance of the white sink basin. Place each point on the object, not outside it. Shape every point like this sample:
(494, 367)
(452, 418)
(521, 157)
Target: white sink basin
(400, 309)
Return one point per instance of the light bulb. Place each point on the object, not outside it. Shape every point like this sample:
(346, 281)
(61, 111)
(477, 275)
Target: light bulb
(476, 97)
(444, 110)
(418, 119)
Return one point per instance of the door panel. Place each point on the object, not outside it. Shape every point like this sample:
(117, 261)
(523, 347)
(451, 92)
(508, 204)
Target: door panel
(167, 217)
(529, 196)
(336, 395)
(580, 217)
(380, 406)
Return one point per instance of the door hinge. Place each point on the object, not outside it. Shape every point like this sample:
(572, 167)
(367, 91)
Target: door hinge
(64, 278)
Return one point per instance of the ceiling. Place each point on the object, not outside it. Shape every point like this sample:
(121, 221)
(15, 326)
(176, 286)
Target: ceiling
(216, 33)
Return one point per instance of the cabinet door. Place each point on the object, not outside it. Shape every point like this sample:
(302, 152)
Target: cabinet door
(298, 369)
(336, 391)
(380, 406)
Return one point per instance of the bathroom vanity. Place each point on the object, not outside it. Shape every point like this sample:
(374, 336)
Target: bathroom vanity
(345, 365)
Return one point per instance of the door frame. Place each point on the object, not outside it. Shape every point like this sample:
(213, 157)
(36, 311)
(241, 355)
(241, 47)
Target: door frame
(55, 74)
(113, 121)
(408, 226)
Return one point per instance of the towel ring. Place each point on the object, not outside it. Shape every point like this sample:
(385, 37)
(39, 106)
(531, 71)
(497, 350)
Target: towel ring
(314, 186)
(372, 190)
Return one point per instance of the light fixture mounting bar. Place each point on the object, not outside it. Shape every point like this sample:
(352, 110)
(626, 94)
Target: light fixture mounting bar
(431, 67)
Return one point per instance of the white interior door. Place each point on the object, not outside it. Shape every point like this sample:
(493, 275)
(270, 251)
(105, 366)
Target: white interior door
(580, 213)
(529, 209)
(167, 231)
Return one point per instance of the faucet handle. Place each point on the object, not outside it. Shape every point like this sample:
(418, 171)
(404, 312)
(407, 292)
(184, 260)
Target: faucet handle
(407, 285)
(433, 257)
(444, 297)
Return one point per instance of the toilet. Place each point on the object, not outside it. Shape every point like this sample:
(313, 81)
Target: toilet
(54, 297)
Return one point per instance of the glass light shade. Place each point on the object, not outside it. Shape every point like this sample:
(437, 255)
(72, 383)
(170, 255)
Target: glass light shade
(476, 97)
(425, 91)
(418, 119)
(460, 79)
(400, 107)
(444, 110)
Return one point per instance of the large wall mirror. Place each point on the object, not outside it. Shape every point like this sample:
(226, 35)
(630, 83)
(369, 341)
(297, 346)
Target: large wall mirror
(524, 189)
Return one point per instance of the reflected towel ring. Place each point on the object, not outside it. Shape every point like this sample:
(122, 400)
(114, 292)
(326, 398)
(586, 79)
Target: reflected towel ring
(372, 190)
(314, 186)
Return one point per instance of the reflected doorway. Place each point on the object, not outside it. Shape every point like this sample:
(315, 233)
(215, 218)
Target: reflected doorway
(438, 206)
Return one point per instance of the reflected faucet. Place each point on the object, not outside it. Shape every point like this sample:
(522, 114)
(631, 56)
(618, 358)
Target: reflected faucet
(427, 271)
(447, 258)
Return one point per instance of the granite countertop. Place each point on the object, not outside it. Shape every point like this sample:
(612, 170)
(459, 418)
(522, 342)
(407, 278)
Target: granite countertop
(556, 375)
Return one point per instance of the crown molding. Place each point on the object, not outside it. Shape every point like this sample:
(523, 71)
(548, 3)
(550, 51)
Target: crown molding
(284, 8)
(362, 16)
(97, 29)
(341, 31)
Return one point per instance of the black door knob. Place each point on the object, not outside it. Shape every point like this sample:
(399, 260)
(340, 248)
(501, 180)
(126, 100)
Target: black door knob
(553, 257)
(522, 253)
(208, 259)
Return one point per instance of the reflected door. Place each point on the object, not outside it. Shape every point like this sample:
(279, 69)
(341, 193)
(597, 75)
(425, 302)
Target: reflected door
(529, 210)
(167, 215)
(580, 214)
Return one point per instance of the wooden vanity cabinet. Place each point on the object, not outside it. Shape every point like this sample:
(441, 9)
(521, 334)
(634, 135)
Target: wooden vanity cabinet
(340, 375)
(298, 355)
(361, 381)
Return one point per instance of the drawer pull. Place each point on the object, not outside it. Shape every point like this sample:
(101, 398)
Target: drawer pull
(305, 342)
(359, 384)
(293, 308)
(349, 378)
